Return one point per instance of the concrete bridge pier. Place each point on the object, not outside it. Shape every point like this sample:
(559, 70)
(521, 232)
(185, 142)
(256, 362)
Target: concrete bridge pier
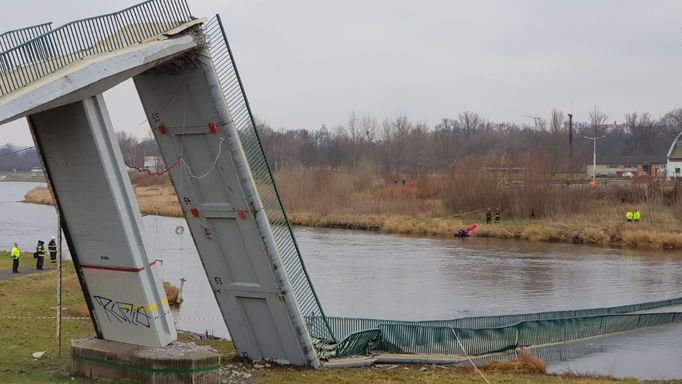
(102, 223)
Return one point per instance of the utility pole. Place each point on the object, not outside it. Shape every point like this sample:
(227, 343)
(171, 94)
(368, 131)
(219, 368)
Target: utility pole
(59, 285)
(594, 155)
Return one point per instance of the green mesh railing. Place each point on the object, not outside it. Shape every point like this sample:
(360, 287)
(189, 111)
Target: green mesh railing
(242, 118)
(357, 343)
(45, 54)
(489, 334)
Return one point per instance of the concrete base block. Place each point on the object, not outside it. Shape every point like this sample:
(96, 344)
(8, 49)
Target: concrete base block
(176, 363)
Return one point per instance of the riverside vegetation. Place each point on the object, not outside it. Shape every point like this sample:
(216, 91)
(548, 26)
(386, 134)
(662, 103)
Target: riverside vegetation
(537, 205)
(32, 298)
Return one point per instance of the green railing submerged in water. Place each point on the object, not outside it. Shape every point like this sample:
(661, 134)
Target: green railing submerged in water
(489, 334)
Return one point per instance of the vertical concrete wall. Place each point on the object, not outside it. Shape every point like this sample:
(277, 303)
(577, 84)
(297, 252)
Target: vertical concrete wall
(103, 224)
(214, 186)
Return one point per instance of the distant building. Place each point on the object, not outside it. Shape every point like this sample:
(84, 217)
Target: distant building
(629, 166)
(36, 171)
(153, 163)
(674, 160)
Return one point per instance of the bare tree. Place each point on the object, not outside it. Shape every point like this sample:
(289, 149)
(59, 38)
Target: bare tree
(557, 123)
(598, 121)
(470, 122)
(369, 128)
(674, 119)
(641, 127)
(556, 126)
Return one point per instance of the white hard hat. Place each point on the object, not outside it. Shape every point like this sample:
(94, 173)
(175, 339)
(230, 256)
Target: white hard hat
(52, 237)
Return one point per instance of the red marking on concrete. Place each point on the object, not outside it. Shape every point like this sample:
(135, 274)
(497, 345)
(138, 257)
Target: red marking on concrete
(116, 269)
(108, 268)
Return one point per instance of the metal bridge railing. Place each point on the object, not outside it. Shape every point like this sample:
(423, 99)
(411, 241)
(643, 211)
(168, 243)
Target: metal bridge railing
(489, 334)
(242, 118)
(11, 39)
(51, 51)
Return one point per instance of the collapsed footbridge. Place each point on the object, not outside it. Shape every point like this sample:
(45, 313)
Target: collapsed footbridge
(188, 83)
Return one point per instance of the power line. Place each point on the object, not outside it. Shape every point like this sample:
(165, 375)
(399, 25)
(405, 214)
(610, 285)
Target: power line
(15, 152)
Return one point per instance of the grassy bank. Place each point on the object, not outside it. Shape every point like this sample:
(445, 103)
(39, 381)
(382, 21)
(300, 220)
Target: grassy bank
(21, 176)
(440, 205)
(33, 296)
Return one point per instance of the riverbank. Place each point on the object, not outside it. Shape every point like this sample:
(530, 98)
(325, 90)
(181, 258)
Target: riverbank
(27, 326)
(22, 176)
(601, 225)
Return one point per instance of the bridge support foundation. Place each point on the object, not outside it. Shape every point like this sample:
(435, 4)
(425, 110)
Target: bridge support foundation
(176, 363)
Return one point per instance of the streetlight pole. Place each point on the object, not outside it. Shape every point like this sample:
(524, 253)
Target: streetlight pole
(594, 155)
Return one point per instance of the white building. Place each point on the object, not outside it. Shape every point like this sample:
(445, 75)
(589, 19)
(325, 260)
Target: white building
(153, 163)
(37, 171)
(674, 167)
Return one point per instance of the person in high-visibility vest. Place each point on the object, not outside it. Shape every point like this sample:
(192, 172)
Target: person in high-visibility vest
(636, 216)
(40, 254)
(628, 216)
(15, 254)
(52, 248)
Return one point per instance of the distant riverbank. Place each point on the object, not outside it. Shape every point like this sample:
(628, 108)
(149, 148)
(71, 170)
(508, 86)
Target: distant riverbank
(604, 225)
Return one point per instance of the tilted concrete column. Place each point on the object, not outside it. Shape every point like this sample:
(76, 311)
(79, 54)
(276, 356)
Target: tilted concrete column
(103, 226)
(191, 123)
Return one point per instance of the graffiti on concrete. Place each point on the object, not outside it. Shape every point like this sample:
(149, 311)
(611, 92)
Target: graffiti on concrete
(126, 313)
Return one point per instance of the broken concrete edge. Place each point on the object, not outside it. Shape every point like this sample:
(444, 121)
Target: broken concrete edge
(390, 358)
(146, 360)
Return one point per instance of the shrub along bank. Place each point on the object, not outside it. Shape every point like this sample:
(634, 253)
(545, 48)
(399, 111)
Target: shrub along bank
(534, 205)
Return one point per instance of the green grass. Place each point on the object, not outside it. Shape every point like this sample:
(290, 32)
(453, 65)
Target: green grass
(21, 176)
(34, 295)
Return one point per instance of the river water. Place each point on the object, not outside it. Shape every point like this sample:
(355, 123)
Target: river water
(361, 274)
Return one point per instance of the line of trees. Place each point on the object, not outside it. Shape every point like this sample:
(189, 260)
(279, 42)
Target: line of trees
(401, 145)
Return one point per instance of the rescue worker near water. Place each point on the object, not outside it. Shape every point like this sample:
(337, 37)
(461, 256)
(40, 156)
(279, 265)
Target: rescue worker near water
(40, 254)
(488, 216)
(498, 213)
(629, 216)
(52, 248)
(15, 254)
(636, 216)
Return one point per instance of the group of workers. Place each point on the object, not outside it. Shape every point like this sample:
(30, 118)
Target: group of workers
(39, 254)
(632, 216)
(489, 215)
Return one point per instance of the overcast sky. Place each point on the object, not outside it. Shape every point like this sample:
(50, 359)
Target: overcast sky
(308, 62)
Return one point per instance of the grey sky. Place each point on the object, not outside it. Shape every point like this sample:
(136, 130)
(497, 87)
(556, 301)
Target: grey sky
(307, 62)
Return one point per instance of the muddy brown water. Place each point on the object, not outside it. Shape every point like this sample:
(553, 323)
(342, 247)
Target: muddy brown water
(363, 274)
